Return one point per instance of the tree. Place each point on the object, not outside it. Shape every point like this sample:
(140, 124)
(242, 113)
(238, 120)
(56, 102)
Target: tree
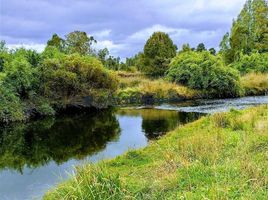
(57, 42)
(102, 55)
(79, 42)
(5, 57)
(185, 47)
(212, 51)
(201, 47)
(249, 32)
(158, 51)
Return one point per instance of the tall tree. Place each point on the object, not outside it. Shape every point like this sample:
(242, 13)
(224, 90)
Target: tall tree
(57, 42)
(79, 42)
(158, 51)
(249, 31)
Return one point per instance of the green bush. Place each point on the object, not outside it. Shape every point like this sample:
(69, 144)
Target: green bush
(11, 108)
(20, 77)
(74, 75)
(255, 62)
(203, 71)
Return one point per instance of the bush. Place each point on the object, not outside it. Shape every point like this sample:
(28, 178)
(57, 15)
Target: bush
(20, 77)
(201, 70)
(10, 106)
(75, 75)
(254, 62)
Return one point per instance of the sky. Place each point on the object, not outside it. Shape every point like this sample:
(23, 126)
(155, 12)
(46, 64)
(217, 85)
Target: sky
(123, 26)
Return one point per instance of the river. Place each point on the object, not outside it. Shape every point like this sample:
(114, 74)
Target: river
(35, 156)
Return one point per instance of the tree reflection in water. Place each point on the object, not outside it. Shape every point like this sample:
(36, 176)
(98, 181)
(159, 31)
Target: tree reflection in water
(37, 143)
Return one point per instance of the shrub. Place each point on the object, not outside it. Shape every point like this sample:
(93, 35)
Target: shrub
(254, 62)
(74, 75)
(20, 77)
(201, 70)
(10, 106)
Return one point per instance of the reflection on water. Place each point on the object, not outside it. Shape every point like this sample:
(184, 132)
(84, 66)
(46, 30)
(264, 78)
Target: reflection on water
(36, 155)
(156, 123)
(36, 144)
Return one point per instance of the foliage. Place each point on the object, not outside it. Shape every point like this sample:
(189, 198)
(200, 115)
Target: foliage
(201, 47)
(11, 108)
(255, 62)
(230, 164)
(201, 70)
(248, 33)
(79, 42)
(75, 75)
(56, 42)
(158, 51)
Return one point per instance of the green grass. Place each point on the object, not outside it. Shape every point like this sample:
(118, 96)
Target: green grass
(224, 156)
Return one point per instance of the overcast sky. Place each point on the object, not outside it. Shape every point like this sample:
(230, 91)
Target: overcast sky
(123, 26)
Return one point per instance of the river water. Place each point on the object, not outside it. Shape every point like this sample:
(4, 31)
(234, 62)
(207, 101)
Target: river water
(36, 156)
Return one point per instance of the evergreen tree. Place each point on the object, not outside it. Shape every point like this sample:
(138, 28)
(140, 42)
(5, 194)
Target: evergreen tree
(158, 51)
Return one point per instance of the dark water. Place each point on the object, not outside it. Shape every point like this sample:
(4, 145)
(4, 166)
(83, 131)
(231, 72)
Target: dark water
(36, 156)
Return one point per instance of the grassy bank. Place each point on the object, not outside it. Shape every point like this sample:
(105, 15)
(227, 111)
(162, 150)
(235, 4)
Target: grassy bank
(223, 156)
(255, 84)
(137, 88)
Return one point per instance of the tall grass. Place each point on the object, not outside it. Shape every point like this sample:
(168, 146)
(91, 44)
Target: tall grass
(255, 84)
(223, 156)
(138, 86)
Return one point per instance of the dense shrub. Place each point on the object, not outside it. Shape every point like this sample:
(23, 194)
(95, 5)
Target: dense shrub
(10, 106)
(20, 76)
(75, 75)
(201, 70)
(255, 62)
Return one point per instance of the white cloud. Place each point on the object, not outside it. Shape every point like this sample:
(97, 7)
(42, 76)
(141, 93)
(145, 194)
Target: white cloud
(146, 33)
(110, 45)
(38, 47)
(102, 34)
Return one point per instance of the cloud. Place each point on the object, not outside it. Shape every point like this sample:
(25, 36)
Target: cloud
(33, 46)
(122, 25)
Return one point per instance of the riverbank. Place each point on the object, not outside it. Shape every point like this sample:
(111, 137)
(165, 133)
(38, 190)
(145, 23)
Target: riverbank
(136, 88)
(223, 156)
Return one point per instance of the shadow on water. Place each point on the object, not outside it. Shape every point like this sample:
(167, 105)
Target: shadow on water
(37, 143)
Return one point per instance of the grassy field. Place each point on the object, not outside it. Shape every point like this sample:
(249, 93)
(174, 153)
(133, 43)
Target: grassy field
(223, 156)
